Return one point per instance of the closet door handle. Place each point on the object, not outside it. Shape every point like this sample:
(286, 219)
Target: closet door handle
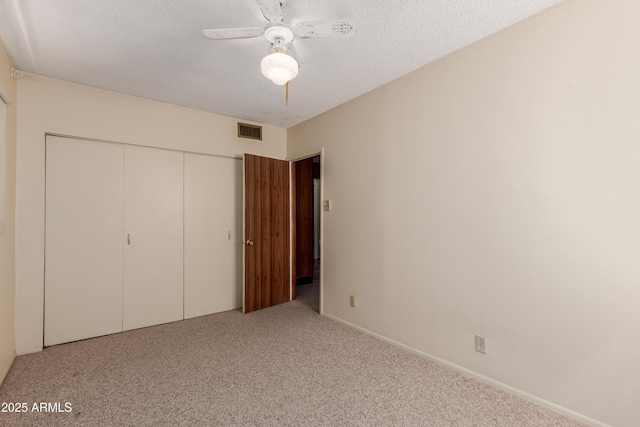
(250, 242)
(128, 239)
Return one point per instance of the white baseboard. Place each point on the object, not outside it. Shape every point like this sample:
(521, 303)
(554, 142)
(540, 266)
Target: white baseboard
(497, 384)
(21, 351)
(4, 369)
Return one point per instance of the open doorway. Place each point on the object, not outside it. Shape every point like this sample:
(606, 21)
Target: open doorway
(306, 262)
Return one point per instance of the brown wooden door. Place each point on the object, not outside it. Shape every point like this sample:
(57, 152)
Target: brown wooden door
(267, 244)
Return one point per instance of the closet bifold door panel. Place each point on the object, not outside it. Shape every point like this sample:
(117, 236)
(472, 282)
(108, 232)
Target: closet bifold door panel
(212, 234)
(153, 222)
(83, 239)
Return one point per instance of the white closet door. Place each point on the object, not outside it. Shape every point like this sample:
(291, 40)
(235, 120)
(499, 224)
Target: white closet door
(153, 237)
(212, 234)
(83, 249)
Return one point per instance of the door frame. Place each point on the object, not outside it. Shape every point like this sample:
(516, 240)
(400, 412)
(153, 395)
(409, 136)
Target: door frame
(307, 154)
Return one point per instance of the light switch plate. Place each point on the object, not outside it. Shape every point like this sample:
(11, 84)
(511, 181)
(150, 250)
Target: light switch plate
(481, 344)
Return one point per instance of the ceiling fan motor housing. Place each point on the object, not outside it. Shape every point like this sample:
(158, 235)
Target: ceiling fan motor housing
(279, 35)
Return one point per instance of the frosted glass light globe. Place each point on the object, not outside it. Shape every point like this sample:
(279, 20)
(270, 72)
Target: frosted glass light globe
(279, 67)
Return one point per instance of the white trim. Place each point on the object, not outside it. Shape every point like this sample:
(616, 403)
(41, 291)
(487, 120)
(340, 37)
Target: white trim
(244, 227)
(29, 351)
(307, 154)
(291, 278)
(3, 165)
(106, 141)
(486, 380)
(4, 97)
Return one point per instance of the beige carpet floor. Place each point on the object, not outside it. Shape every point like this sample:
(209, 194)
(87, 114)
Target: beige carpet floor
(283, 366)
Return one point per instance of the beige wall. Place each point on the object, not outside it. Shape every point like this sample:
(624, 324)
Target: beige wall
(52, 106)
(7, 240)
(496, 192)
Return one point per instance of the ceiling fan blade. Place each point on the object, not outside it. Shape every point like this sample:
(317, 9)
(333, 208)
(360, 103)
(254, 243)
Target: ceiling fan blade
(271, 9)
(233, 33)
(336, 28)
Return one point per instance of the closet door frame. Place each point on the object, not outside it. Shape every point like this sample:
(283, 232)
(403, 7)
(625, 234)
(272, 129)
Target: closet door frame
(125, 237)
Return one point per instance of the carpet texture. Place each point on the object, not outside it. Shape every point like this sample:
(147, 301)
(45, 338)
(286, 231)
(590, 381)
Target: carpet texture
(283, 366)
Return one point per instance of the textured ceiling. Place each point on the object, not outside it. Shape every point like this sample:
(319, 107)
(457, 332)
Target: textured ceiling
(155, 48)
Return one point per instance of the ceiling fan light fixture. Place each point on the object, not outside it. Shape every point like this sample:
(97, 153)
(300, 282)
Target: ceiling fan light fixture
(279, 67)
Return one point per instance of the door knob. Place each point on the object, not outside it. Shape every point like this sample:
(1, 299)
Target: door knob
(250, 242)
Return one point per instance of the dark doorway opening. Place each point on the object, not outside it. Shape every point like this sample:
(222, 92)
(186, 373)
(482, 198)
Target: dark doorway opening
(306, 262)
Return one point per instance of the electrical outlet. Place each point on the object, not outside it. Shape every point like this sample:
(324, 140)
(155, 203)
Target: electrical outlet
(481, 344)
(352, 301)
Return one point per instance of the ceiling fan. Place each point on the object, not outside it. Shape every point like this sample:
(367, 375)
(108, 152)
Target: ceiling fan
(278, 65)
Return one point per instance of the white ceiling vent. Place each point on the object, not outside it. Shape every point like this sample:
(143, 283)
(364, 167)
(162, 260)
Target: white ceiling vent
(249, 131)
